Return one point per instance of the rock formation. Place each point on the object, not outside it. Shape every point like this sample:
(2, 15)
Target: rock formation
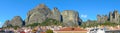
(113, 17)
(56, 14)
(17, 21)
(98, 18)
(110, 16)
(38, 14)
(7, 22)
(41, 12)
(102, 19)
(70, 17)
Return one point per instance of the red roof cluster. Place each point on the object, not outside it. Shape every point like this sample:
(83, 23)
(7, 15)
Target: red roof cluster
(72, 29)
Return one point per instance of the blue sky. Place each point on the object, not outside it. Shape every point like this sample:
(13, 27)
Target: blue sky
(88, 9)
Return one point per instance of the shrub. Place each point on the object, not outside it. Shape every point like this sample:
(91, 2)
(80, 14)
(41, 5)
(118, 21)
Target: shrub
(49, 31)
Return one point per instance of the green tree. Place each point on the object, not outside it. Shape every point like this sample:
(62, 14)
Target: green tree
(49, 31)
(15, 27)
(33, 25)
(49, 22)
(9, 26)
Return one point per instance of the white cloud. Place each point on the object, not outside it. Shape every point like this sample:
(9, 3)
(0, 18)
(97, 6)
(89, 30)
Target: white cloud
(84, 16)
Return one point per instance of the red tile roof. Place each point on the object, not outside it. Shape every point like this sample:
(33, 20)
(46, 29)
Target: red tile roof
(72, 29)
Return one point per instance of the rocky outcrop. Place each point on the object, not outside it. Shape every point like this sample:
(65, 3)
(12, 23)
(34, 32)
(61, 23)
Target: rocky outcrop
(38, 14)
(42, 12)
(70, 18)
(56, 14)
(112, 17)
(102, 19)
(17, 21)
(7, 22)
(115, 16)
(98, 18)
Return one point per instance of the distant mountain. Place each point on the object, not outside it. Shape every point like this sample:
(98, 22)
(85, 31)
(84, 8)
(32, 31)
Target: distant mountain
(40, 13)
